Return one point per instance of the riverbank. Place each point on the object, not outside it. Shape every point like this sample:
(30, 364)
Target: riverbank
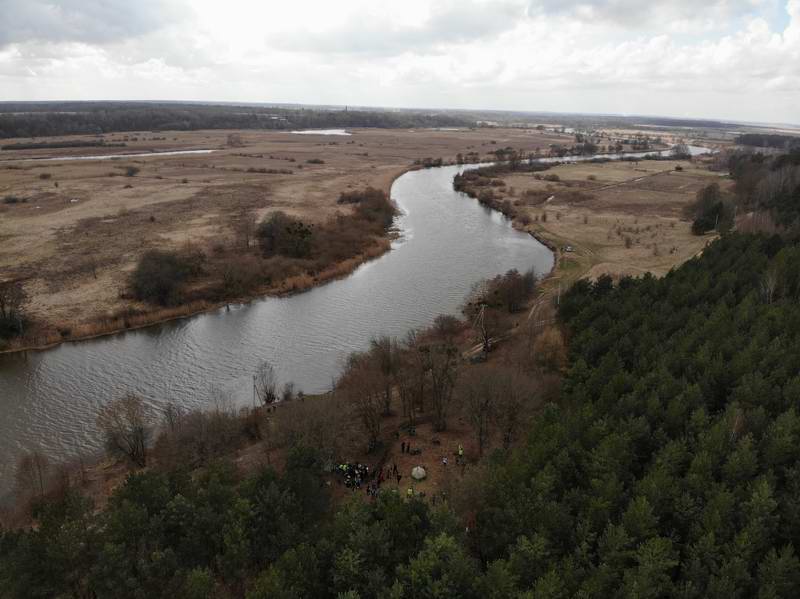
(142, 318)
(76, 228)
(618, 218)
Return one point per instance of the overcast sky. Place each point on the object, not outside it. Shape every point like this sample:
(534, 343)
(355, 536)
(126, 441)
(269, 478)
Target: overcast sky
(731, 59)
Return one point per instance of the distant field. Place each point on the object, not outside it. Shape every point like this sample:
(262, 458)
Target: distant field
(622, 218)
(80, 226)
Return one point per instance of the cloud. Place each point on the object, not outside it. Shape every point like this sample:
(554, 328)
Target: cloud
(734, 59)
(448, 22)
(672, 15)
(86, 21)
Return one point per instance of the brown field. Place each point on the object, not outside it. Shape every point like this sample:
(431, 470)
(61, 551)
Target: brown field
(621, 218)
(84, 224)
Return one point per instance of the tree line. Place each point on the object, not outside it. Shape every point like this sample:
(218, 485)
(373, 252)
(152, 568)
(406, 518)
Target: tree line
(42, 120)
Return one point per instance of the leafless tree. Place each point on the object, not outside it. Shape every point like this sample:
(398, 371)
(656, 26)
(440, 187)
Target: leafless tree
(126, 426)
(172, 416)
(386, 354)
(244, 224)
(416, 366)
(479, 394)
(362, 387)
(324, 423)
(516, 399)
(769, 283)
(32, 471)
(265, 384)
(442, 364)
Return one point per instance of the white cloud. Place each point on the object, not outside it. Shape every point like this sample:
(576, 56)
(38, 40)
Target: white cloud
(721, 58)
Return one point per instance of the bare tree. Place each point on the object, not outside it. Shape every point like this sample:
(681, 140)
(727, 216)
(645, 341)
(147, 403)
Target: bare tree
(362, 387)
(442, 364)
(385, 352)
(244, 224)
(515, 400)
(126, 426)
(265, 384)
(172, 416)
(769, 283)
(479, 393)
(32, 471)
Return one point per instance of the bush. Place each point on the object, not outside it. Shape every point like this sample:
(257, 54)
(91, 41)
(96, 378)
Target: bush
(159, 276)
(315, 161)
(281, 234)
(14, 200)
(131, 171)
(240, 276)
(45, 176)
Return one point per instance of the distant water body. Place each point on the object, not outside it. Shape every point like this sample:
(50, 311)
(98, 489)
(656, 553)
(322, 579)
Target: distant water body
(322, 132)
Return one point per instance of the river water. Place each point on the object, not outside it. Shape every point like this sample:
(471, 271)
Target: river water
(49, 399)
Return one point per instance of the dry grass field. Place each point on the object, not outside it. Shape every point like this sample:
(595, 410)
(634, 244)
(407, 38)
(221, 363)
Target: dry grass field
(83, 224)
(620, 218)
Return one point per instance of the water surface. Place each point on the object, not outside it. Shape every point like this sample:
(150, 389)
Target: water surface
(49, 399)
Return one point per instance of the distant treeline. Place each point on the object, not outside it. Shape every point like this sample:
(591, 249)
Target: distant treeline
(73, 118)
(769, 140)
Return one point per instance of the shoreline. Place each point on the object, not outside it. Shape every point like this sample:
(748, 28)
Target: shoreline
(287, 288)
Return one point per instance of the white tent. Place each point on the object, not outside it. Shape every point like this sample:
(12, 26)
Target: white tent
(418, 473)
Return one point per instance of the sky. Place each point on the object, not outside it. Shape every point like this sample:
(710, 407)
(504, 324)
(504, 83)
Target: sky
(726, 59)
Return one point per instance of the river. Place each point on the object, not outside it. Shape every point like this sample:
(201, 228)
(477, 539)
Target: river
(448, 242)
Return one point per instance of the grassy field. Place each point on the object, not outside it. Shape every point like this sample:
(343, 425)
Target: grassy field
(84, 224)
(620, 218)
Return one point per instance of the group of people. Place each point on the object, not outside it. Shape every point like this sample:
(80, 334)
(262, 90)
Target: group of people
(390, 474)
(354, 475)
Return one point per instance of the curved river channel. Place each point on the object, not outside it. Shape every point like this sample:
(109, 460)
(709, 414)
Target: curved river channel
(49, 399)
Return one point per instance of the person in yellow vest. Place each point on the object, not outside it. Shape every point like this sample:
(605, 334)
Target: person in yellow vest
(460, 453)
(410, 493)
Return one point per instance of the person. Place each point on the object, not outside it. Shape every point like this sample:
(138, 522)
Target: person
(398, 478)
(402, 447)
(460, 453)
(410, 493)
(444, 460)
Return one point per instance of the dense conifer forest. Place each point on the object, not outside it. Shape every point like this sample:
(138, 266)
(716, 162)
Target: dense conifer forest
(668, 467)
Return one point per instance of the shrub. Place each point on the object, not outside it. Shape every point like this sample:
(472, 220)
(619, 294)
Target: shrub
(281, 234)
(159, 276)
(315, 161)
(240, 275)
(131, 171)
(14, 200)
(45, 176)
